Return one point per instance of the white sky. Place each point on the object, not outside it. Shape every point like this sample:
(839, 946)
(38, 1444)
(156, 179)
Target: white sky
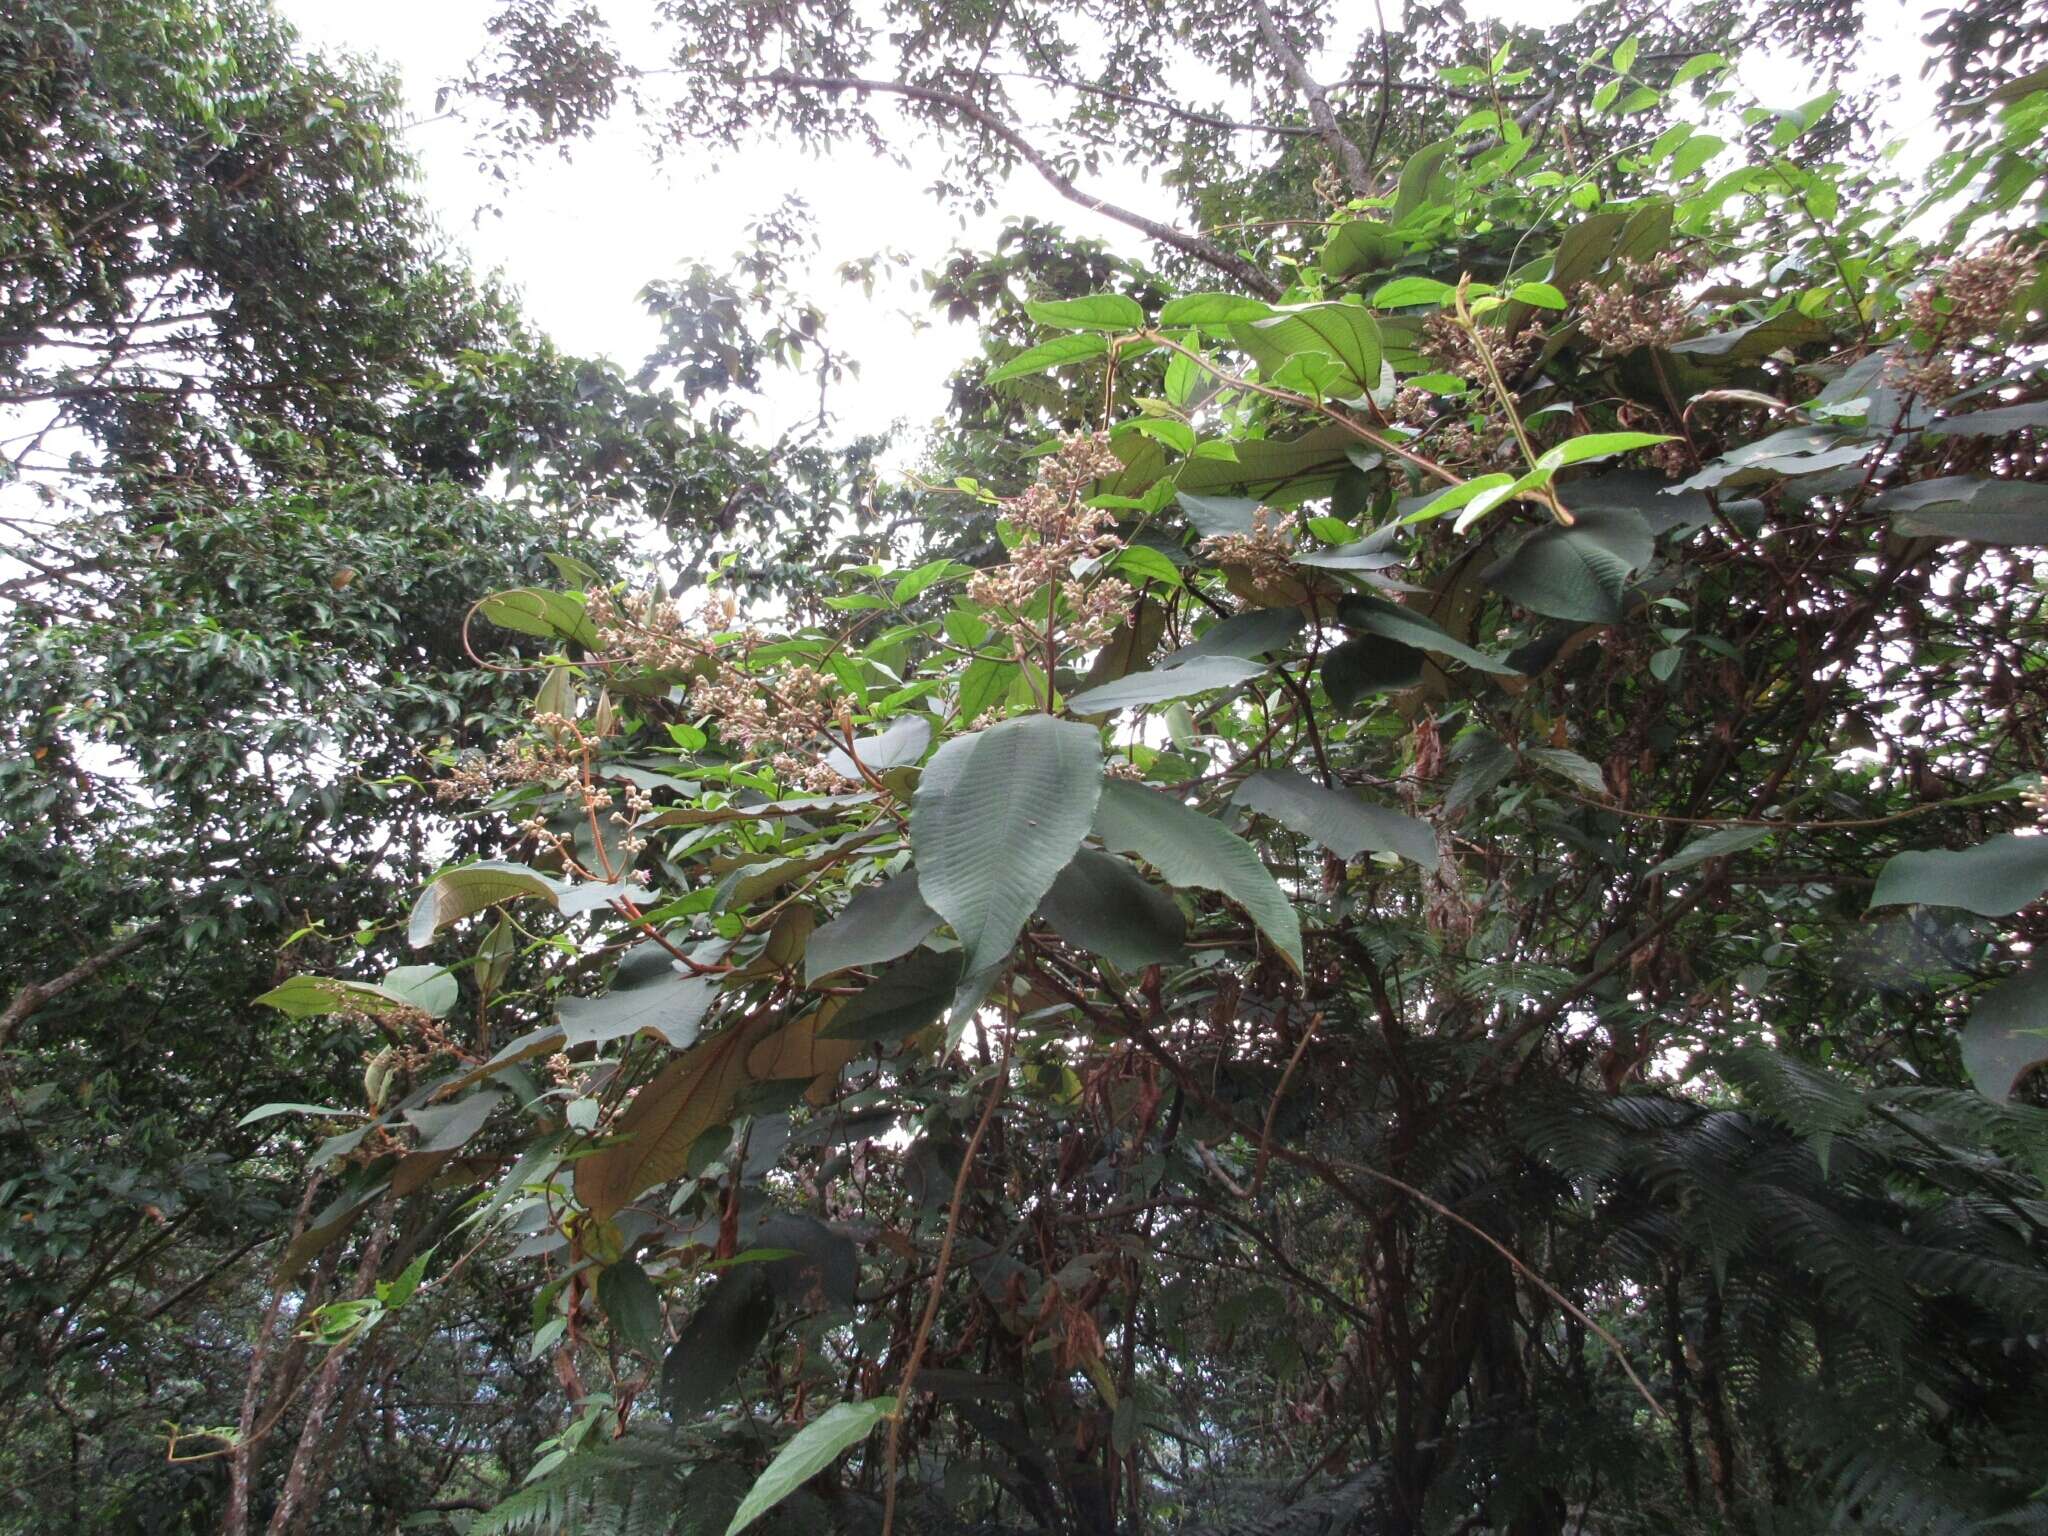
(580, 238)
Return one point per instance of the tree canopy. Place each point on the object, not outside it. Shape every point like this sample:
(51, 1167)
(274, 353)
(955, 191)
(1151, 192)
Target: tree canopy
(1397, 891)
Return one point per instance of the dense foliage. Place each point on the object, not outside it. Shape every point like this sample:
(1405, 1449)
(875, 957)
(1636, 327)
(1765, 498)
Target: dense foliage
(1413, 909)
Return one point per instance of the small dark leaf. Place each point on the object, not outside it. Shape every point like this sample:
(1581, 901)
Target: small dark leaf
(2007, 1036)
(1358, 669)
(823, 1269)
(1994, 879)
(632, 1304)
(881, 923)
(1580, 572)
(1101, 903)
(1337, 818)
(907, 997)
(698, 1372)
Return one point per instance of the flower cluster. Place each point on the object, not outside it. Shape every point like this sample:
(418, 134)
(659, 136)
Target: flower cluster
(553, 760)
(1453, 349)
(774, 709)
(1266, 551)
(1643, 309)
(1060, 533)
(812, 774)
(1968, 301)
(1973, 297)
(653, 633)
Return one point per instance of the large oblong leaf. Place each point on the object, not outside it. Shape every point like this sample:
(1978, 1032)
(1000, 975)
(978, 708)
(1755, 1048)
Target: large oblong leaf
(1578, 572)
(461, 892)
(1200, 674)
(883, 922)
(1101, 903)
(1392, 621)
(2007, 1036)
(1337, 818)
(995, 818)
(812, 1449)
(1188, 848)
(1994, 879)
(686, 1098)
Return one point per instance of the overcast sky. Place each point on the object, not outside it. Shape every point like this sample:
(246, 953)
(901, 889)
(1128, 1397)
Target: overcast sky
(579, 239)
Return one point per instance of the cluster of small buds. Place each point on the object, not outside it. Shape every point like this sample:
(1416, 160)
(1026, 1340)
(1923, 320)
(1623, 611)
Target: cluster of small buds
(381, 1142)
(1413, 406)
(1973, 297)
(639, 804)
(1267, 551)
(771, 709)
(1489, 445)
(1643, 309)
(1122, 768)
(654, 633)
(554, 760)
(1452, 348)
(1671, 459)
(1060, 533)
(559, 1068)
(811, 774)
(1954, 309)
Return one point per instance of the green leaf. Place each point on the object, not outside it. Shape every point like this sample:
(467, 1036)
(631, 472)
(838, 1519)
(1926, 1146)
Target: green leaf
(1758, 339)
(304, 997)
(1580, 572)
(1255, 632)
(902, 1000)
(461, 892)
(1461, 494)
(1190, 849)
(882, 922)
(1570, 765)
(1423, 179)
(1212, 309)
(1357, 669)
(1993, 879)
(996, 816)
(1046, 356)
(1405, 291)
(1142, 563)
(1597, 445)
(1097, 312)
(1360, 246)
(647, 995)
(716, 1343)
(632, 1305)
(1337, 818)
(1971, 508)
(2007, 1035)
(1996, 422)
(1541, 295)
(1715, 845)
(447, 1127)
(983, 685)
(1214, 516)
(1393, 621)
(912, 585)
(1101, 903)
(809, 1452)
(1200, 674)
(271, 1111)
(898, 745)
(1346, 332)
(532, 611)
